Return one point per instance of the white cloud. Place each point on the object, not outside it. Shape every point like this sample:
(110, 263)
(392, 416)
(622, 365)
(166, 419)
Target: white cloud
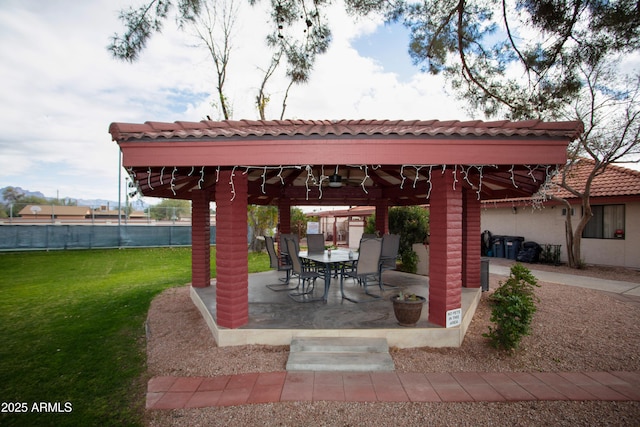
(61, 88)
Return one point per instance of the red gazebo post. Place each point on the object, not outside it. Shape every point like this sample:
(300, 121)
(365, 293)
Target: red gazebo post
(232, 268)
(445, 258)
(200, 239)
(471, 250)
(284, 216)
(382, 216)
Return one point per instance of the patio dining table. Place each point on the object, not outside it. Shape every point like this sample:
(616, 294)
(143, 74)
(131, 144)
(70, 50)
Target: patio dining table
(330, 260)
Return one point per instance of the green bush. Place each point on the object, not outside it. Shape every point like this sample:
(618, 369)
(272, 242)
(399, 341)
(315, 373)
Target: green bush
(514, 304)
(409, 261)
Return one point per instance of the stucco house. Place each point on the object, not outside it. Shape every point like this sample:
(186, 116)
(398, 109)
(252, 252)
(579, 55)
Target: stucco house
(611, 238)
(344, 225)
(49, 212)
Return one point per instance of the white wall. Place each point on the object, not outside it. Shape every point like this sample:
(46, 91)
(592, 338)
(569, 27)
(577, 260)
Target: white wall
(546, 226)
(356, 229)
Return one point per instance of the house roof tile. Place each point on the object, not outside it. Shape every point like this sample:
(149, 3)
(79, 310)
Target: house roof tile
(614, 181)
(249, 128)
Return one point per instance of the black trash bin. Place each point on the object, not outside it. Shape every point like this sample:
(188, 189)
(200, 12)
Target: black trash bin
(485, 243)
(497, 246)
(512, 246)
(484, 273)
(529, 252)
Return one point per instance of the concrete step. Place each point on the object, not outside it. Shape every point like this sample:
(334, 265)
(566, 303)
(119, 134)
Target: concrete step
(340, 354)
(339, 344)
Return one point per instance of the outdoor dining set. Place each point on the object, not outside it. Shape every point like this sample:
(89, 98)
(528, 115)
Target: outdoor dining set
(365, 266)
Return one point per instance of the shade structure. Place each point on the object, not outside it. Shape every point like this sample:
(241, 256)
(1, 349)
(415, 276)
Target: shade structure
(451, 165)
(390, 160)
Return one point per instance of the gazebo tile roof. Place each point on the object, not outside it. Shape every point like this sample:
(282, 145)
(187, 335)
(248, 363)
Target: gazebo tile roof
(163, 127)
(506, 146)
(249, 128)
(524, 124)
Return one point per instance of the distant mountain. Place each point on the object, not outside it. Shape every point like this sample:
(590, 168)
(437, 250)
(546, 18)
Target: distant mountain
(23, 191)
(94, 203)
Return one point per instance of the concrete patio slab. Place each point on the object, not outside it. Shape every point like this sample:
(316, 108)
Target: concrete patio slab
(274, 319)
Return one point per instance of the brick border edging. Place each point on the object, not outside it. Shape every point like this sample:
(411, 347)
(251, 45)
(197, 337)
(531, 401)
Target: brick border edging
(169, 392)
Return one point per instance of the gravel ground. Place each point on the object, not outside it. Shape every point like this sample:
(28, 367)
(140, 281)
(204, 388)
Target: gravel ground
(574, 329)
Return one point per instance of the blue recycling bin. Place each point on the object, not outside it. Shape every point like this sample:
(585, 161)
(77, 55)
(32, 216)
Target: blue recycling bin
(512, 246)
(497, 246)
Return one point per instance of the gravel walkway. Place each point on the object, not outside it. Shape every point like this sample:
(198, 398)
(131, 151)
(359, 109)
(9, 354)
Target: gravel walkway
(574, 330)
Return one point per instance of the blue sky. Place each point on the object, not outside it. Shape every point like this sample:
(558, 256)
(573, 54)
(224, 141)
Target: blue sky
(62, 89)
(388, 46)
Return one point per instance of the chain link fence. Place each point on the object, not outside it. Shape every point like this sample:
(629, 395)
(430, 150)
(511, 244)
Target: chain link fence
(74, 236)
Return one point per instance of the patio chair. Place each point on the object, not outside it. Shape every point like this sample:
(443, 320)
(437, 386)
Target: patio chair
(280, 264)
(389, 255)
(366, 268)
(283, 243)
(315, 243)
(305, 275)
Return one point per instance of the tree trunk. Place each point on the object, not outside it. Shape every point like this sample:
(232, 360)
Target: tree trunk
(577, 235)
(573, 236)
(568, 232)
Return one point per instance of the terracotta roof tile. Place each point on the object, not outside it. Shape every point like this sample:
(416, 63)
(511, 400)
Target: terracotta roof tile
(194, 125)
(614, 181)
(249, 128)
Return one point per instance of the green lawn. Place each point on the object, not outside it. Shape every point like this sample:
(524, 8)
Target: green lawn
(72, 331)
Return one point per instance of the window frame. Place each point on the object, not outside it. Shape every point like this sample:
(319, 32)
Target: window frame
(605, 216)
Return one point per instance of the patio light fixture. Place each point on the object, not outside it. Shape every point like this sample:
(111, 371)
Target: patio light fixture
(335, 180)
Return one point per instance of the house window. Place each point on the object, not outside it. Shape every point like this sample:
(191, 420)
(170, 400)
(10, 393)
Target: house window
(607, 222)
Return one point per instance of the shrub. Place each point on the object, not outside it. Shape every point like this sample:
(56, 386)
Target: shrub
(514, 304)
(409, 261)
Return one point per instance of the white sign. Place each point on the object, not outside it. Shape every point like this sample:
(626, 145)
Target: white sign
(313, 228)
(454, 317)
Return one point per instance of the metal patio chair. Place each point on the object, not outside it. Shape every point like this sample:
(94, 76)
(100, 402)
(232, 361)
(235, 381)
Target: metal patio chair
(283, 243)
(306, 276)
(279, 264)
(366, 268)
(389, 255)
(315, 243)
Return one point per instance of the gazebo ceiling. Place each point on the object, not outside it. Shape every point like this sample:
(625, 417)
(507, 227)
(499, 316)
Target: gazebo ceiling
(392, 160)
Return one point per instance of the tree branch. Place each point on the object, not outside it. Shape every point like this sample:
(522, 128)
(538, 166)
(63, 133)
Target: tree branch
(466, 70)
(510, 36)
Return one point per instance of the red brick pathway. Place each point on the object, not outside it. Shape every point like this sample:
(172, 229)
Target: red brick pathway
(196, 392)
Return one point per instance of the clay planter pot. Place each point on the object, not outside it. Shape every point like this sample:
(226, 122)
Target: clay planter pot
(407, 312)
